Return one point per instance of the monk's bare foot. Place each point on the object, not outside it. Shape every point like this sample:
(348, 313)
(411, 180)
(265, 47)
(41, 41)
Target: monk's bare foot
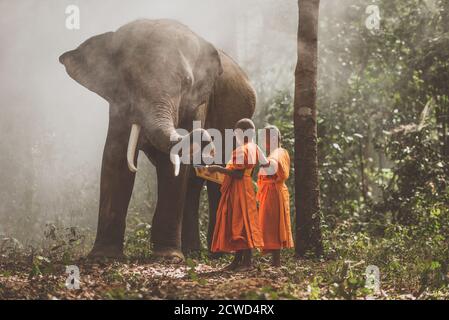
(215, 255)
(276, 258)
(232, 266)
(244, 267)
(235, 263)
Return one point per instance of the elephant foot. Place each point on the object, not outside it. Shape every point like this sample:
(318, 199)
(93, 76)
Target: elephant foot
(191, 253)
(106, 252)
(170, 255)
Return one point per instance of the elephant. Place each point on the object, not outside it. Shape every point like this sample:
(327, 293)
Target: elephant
(157, 76)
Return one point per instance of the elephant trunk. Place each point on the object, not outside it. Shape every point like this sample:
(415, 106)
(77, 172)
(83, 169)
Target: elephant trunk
(174, 138)
(160, 129)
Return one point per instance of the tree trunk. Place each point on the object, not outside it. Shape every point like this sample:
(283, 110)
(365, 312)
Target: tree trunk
(307, 193)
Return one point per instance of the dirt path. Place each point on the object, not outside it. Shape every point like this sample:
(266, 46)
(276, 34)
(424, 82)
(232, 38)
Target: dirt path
(148, 281)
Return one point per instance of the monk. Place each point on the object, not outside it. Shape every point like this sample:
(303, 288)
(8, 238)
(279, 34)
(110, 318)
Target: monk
(237, 226)
(273, 197)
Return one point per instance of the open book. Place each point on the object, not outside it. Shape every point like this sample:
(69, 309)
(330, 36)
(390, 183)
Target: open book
(202, 172)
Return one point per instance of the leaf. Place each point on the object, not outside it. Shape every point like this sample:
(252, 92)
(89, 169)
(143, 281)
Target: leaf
(336, 146)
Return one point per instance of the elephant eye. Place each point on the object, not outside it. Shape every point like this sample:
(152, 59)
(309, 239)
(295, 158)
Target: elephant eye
(188, 81)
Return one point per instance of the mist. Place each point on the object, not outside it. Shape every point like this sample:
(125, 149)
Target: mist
(53, 129)
(372, 224)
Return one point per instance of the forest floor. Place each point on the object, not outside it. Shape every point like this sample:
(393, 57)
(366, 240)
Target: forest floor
(297, 279)
(146, 280)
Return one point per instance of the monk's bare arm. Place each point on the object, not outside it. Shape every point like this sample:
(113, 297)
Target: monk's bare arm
(233, 173)
(270, 168)
(263, 160)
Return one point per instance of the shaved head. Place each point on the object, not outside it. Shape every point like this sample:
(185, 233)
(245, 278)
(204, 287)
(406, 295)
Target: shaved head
(245, 131)
(245, 124)
(272, 138)
(274, 130)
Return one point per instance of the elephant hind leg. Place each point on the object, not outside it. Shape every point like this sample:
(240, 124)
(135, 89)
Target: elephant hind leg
(190, 223)
(214, 195)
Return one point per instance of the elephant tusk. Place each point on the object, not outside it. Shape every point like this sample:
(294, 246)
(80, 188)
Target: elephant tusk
(208, 138)
(174, 158)
(212, 150)
(132, 145)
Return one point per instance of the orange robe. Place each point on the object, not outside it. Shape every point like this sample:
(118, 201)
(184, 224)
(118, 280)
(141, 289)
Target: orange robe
(237, 225)
(274, 203)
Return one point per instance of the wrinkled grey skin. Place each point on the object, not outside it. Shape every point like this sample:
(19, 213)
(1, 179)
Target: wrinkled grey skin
(162, 76)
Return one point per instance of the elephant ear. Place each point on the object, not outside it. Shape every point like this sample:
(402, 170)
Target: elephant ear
(207, 69)
(92, 65)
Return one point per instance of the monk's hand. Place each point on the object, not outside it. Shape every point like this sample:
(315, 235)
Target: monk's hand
(214, 168)
(201, 170)
(208, 159)
(237, 174)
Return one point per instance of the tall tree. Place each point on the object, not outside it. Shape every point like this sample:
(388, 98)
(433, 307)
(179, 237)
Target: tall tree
(307, 192)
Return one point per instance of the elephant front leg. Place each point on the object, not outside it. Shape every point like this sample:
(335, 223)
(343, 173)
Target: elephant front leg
(115, 192)
(190, 221)
(167, 220)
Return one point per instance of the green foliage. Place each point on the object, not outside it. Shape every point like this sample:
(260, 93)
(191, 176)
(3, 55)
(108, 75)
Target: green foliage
(138, 241)
(383, 146)
(63, 244)
(192, 273)
(121, 293)
(39, 266)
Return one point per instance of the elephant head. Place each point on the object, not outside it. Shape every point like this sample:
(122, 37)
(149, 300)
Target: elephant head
(159, 70)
